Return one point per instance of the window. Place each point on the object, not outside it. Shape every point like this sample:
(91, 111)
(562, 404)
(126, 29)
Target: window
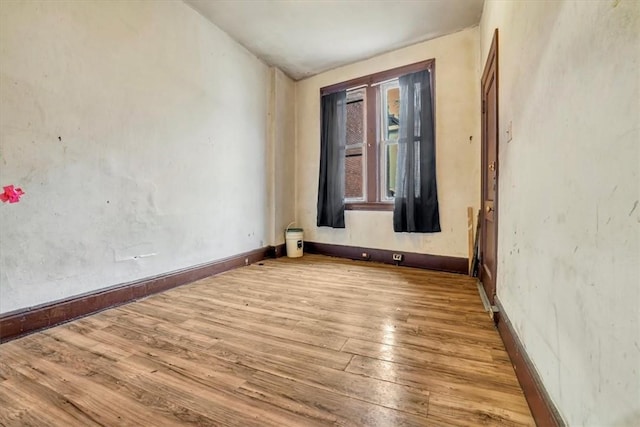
(371, 147)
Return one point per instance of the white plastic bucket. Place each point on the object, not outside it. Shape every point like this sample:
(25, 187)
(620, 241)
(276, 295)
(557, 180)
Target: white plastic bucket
(295, 243)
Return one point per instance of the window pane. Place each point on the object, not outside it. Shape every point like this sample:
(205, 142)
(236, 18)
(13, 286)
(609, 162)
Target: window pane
(355, 122)
(392, 162)
(416, 169)
(393, 112)
(355, 154)
(417, 106)
(390, 123)
(354, 177)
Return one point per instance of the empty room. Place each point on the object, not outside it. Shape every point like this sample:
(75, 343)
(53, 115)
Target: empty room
(213, 213)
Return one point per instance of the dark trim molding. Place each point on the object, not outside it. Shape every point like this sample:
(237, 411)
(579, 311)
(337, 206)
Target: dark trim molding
(542, 408)
(24, 321)
(410, 259)
(277, 251)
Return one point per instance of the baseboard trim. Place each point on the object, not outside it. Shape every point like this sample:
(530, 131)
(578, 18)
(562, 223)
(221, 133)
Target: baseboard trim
(542, 408)
(278, 251)
(24, 321)
(410, 259)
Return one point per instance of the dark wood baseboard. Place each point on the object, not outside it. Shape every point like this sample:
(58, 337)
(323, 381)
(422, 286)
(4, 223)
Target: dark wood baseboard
(21, 322)
(410, 259)
(278, 251)
(542, 408)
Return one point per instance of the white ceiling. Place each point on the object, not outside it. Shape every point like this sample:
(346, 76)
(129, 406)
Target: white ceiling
(306, 37)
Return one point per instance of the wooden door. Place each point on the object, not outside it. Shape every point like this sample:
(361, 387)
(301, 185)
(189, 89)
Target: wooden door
(489, 171)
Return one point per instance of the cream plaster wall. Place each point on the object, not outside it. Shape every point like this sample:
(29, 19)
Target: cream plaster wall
(284, 155)
(457, 157)
(569, 231)
(138, 131)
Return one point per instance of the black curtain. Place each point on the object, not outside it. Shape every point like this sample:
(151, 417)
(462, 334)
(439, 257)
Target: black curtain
(416, 197)
(332, 145)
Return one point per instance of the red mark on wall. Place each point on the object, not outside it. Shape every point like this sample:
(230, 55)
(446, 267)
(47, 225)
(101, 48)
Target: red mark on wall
(11, 194)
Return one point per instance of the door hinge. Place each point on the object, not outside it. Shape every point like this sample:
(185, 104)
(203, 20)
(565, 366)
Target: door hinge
(484, 103)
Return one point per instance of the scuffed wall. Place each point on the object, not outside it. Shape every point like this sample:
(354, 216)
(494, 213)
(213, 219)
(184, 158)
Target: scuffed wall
(457, 90)
(138, 131)
(569, 220)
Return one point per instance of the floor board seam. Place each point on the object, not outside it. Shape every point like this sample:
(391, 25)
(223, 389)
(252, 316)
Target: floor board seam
(348, 363)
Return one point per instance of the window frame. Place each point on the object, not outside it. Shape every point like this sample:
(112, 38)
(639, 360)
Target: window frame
(374, 156)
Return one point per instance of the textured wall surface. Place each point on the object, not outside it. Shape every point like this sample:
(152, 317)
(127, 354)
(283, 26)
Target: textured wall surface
(138, 132)
(285, 155)
(569, 231)
(458, 158)
(281, 155)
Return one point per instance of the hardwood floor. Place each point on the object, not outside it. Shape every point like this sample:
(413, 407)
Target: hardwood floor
(287, 342)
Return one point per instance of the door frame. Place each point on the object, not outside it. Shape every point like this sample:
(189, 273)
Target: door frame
(491, 63)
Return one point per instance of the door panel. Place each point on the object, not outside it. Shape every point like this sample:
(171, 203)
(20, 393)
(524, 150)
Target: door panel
(489, 216)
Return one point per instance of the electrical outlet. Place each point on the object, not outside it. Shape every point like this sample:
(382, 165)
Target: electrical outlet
(246, 261)
(397, 257)
(365, 255)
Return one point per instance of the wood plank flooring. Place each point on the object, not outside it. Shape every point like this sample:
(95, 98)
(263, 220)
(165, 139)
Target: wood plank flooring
(304, 342)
